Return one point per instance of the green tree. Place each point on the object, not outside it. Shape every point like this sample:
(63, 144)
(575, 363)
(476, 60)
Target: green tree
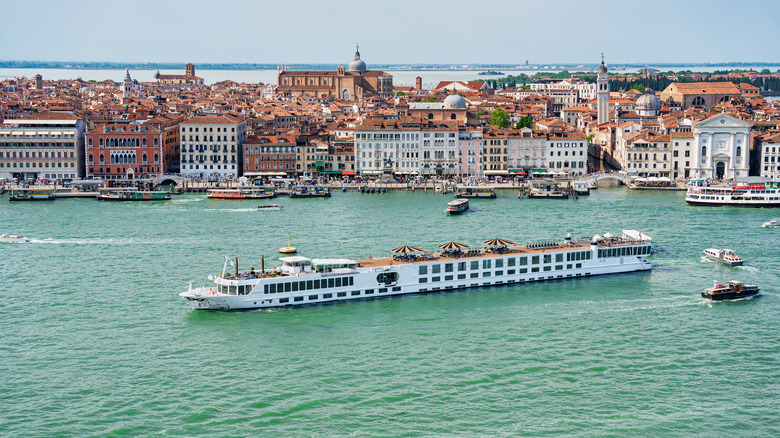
(430, 99)
(524, 122)
(400, 93)
(765, 71)
(639, 87)
(500, 118)
(590, 139)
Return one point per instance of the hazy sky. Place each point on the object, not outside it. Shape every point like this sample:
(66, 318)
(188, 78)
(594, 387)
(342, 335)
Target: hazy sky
(391, 32)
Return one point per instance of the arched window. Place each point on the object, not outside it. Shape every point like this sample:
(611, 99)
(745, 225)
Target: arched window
(698, 101)
(430, 116)
(704, 151)
(90, 142)
(724, 99)
(156, 158)
(144, 141)
(144, 159)
(102, 160)
(100, 142)
(91, 159)
(345, 94)
(155, 142)
(453, 116)
(739, 151)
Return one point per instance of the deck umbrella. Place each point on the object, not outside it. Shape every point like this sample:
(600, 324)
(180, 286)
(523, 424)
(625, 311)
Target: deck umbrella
(453, 245)
(498, 242)
(406, 248)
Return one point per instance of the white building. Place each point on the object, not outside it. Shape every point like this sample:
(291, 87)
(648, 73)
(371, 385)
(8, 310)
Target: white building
(585, 90)
(45, 145)
(645, 153)
(211, 146)
(721, 148)
(567, 153)
(407, 146)
(770, 157)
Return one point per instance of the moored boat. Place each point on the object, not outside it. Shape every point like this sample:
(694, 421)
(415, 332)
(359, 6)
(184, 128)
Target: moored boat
(310, 192)
(766, 194)
(772, 223)
(457, 206)
(301, 280)
(469, 192)
(136, 195)
(10, 238)
(725, 256)
(730, 291)
(32, 195)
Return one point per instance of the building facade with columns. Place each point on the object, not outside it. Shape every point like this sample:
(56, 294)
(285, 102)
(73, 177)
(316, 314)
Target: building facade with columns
(721, 148)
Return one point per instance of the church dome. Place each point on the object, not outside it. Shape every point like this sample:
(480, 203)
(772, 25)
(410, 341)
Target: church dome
(602, 68)
(454, 101)
(357, 64)
(648, 105)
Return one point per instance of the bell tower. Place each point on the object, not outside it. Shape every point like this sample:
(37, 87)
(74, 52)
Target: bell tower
(602, 96)
(127, 87)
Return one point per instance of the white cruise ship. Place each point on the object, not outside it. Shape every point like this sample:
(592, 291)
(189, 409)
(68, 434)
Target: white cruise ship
(766, 194)
(301, 280)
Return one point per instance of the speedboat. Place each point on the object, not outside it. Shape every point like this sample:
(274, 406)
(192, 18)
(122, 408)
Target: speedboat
(772, 223)
(730, 291)
(725, 256)
(10, 238)
(271, 207)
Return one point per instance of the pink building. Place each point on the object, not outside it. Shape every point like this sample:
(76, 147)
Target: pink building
(470, 153)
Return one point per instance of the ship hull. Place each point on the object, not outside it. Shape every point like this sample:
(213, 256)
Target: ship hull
(731, 295)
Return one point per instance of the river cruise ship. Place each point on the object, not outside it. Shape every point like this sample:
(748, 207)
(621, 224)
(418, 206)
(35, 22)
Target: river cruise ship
(31, 195)
(766, 194)
(301, 280)
(240, 193)
(476, 192)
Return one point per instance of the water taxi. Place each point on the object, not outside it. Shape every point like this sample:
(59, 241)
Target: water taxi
(766, 194)
(301, 280)
(730, 291)
(135, 195)
(32, 195)
(725, 256)
(10, 238)
(240, 193)
(772, 223)
(457, 206)
(269, 207)
(476, 192)
(546, 190)
(310, 192)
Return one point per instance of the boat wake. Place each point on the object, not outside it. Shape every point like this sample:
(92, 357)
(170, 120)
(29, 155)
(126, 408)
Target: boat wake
(747, 268)
(232, 210)
(95, 241)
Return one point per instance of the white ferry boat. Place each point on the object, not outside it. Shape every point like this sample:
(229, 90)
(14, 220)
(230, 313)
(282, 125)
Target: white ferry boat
(458, 206)
(302, 280)
(725, 256)
(766, 194)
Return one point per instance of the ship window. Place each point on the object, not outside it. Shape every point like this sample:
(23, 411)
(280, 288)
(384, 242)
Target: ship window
(435, 269)
(447, 277)
(448, 267)
(369, 291)
(287, 287)
(548, 258)
(548, 268)
(387, 277)
(302, 285)
(397, 289)
(272, 288)
(284, 300)
(341, 294)
(568, 266)
(558, 267)
(435, 279)
(331, 282)
(511, 261)
(475, 265)
(523, 261)
(314, 297)
(499, 263)
(578, 265)
(486, 274)
(316, 284)
(298, 299)
(536, 269)
(499, 272)
(355, 293)
(338, 282)
(423, 280)
(265, 289)
(474, 275)
(523, 271)
(535, 260)
(486, 264)
(309, 285)
(294, 286)
(351, 281)
(327, 295)
(511, 271)
(461, 266)
(461, 276)
(423, 269)
(568, 256)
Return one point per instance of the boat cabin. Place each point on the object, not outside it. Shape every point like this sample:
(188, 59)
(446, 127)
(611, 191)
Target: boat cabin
(296, 265)
(333, 265)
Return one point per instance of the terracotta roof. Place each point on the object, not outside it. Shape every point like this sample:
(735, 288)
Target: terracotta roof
(213, 119)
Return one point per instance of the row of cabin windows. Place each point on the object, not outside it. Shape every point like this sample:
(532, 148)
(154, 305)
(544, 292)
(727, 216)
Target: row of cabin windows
(354, 293)
(624, 251)
(296, 286)
(501, 262)
(497, 273)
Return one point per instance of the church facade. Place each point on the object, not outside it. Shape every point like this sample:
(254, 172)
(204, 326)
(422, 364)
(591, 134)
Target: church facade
(352, 84)
(721, 147)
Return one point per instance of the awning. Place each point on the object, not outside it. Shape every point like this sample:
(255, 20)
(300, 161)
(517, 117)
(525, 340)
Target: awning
(496, 172)
(331, 172)
(348, 173)
(371, 172)
(265, 173)
(518, 171)
(538, 170)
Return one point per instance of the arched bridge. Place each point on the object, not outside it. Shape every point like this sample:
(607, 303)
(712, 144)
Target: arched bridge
(593, 178)
(174, 180)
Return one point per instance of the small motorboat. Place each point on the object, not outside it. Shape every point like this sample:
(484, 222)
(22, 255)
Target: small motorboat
(270, 207)
(730, 291)
(288, 249)
(10, 238)
(725, 256)
(772, 223)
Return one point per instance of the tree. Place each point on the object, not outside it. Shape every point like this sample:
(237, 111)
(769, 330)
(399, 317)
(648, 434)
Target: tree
(500, 118)
(524, 122)
(765, 71)
(590, 139)
(639, 87)
(400, 93)
(430, 99)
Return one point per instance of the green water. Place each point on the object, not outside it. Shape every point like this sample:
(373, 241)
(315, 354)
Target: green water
(94, 340)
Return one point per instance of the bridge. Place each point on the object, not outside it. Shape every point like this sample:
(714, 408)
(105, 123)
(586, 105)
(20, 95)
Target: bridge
(173, 180)
(593, 178)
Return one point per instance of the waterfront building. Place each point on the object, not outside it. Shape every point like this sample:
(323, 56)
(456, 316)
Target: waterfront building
(270, 155)
(682, 151)
(470, 149)
(769, 158)
(187, 79)
(527, 151)
(645, 153)
(495, 152)
(44, 145)
(567, 152)
(602, 95)
(721, 147)
(354, 83)
(700, 94)
(211, 146)
(125, 151)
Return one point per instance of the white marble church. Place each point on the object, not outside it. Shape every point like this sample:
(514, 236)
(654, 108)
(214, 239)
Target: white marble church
(721, 148)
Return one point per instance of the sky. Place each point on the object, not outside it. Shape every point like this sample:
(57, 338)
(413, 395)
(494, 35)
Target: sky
(391, 32)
